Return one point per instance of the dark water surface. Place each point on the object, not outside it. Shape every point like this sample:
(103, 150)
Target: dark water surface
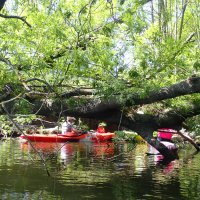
(95, 171)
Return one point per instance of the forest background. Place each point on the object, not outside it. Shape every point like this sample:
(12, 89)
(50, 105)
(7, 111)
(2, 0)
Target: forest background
(133, 63)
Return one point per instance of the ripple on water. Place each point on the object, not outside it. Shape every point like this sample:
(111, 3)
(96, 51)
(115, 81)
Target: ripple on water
(95, 171)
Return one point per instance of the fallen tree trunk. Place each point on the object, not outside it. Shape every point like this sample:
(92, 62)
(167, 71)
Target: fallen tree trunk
(112, 111)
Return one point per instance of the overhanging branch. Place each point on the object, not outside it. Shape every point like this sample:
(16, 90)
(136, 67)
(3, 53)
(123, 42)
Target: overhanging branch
(16, 17)
(188, 86)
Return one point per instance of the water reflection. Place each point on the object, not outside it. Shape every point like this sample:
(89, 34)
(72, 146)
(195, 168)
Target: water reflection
(95, 171)
(67, 150)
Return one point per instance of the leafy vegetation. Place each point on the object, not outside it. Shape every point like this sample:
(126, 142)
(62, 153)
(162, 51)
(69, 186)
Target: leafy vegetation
(7, 128)
(129, 136)
(72, 56)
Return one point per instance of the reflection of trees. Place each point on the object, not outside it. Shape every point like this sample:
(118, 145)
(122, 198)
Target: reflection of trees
(90, 171)
(19, 175)
(88, 163)
(153, 182)
(97, 169)
(190, 179)
(145, 186)
(8, 155)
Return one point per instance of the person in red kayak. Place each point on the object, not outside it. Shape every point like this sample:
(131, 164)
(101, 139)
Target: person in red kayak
(101, 127)
(68, 126)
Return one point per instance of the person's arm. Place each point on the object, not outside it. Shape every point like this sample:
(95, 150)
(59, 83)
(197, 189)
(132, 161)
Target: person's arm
(75, 130)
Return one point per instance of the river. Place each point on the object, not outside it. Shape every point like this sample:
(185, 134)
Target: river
(94, 171)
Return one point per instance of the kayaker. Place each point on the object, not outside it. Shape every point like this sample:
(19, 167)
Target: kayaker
(101, 127)
(155, 135)
(68, 125)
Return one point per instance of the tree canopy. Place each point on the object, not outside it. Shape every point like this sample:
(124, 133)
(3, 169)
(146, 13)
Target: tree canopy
(132, 62)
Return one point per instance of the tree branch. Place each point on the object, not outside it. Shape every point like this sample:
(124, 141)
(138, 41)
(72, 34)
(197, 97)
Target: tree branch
(21, 131)
(188, 86)
(77, 92)
(40, 80)
(16, 17)
(182, 18)
(12, 99)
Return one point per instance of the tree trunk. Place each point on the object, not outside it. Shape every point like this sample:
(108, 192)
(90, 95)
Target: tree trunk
(2, 2)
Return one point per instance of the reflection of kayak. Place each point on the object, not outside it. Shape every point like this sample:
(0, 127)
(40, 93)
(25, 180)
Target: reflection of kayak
(103, 149)
(94, 136)
(100, 137)
(68, 150)
(44, 147)
(170, 145)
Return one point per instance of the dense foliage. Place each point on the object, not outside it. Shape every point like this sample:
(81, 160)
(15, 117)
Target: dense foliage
(75, 51)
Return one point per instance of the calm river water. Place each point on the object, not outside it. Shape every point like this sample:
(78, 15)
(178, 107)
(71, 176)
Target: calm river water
(95, 171)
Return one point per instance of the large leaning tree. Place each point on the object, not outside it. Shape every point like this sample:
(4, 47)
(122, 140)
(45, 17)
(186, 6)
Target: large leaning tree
(134, 63)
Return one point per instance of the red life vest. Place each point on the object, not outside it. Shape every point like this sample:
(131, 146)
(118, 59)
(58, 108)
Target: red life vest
(101, 129)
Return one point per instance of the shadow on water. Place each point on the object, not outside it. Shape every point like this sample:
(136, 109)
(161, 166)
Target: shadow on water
(95, 171)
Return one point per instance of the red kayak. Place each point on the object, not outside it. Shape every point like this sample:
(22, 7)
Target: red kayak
(94, 136)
